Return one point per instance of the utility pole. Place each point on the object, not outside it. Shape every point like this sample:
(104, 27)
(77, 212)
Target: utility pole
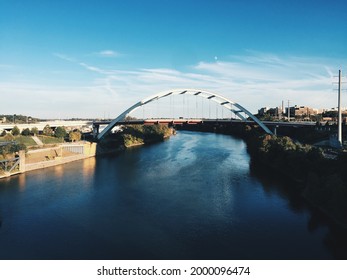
(282, 109)
(288, 112)
(339, 121)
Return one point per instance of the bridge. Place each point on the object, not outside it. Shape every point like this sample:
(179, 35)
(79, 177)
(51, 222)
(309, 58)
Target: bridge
(40, 125)
(239, 111)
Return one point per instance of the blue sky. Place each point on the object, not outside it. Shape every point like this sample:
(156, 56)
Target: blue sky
(62, 59)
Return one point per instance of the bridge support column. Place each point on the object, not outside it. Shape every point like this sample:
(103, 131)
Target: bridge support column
(95, 130)
(21, 161)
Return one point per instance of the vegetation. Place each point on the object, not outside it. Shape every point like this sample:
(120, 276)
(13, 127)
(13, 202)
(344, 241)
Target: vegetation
(34, 131)
(322, 179)
(144, 134)
(133, 135)
(8, 150)
(283, 153)
(15, 131)
(130, 140)
(25, 140)
(47, 140)
(18, 139)
(47, 131)
(26, 132)
(60, 132)
(75, 136)
(18, 119)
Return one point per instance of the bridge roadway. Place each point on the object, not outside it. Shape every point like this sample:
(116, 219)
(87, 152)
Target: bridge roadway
(196, 121)
(272, 124)
(40, 125)
(97, 124)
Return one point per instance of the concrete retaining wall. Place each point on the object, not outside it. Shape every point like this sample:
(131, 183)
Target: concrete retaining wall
(82, 151)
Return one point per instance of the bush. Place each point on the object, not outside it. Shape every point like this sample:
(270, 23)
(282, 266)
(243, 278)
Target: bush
(26, 132)
(34, 131)
(47, 131)
(75, 136)
(15, 131)
(60, 132)
(11, 149)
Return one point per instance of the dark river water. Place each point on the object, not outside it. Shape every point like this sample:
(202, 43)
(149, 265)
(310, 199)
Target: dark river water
(194, 196)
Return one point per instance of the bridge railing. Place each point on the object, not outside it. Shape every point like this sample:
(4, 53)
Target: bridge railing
(10, 165)
(74, 148)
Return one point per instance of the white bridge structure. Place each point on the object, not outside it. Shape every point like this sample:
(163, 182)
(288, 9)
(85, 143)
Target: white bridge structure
(230, 105)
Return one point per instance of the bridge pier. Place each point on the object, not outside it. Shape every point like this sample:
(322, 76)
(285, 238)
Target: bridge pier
(21, 161)
(96, 128)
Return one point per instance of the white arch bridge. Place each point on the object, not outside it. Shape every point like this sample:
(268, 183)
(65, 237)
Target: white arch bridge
(230, 105)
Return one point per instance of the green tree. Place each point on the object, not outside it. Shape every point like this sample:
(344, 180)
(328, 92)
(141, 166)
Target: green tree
(34, 131)
(75, 136)
(15, 131)
(26, 132)
(47, 130)
(60, 132)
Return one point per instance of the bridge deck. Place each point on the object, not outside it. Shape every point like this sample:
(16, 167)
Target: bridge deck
(196, 121)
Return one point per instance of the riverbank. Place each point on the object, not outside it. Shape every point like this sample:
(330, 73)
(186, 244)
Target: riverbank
(52, 156)
(135, 135)
(319, 179)
(160, 194)
(57, 154)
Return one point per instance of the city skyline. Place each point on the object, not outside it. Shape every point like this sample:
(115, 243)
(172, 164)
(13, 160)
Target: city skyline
(63, 59)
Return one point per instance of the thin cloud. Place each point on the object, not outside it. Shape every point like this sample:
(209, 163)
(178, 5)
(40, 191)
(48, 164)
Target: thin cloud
(254, 80)
(92, 68)
(64, 57)
(108, 53)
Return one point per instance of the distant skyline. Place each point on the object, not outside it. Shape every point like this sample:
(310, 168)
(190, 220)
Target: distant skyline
(64, 59)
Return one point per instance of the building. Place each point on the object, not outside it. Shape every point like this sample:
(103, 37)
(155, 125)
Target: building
(301, 112)
(271, 113)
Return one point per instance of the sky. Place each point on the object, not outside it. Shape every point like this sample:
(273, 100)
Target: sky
(96, 58)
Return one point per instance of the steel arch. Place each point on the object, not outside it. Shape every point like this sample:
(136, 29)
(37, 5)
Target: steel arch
(227, 103)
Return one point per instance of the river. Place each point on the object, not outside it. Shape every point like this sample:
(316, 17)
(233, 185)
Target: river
(194, 196)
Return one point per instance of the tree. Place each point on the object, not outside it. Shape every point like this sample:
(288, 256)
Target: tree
(34, 131)
(26, 132)
(15, 131)
(60, 132)
(47, 130)
(75, 136)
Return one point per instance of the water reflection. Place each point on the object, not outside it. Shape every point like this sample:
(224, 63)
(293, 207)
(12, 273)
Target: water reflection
(195, 195)
(334, 236)
(21, 182)
(59, 171)
(88, 169)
